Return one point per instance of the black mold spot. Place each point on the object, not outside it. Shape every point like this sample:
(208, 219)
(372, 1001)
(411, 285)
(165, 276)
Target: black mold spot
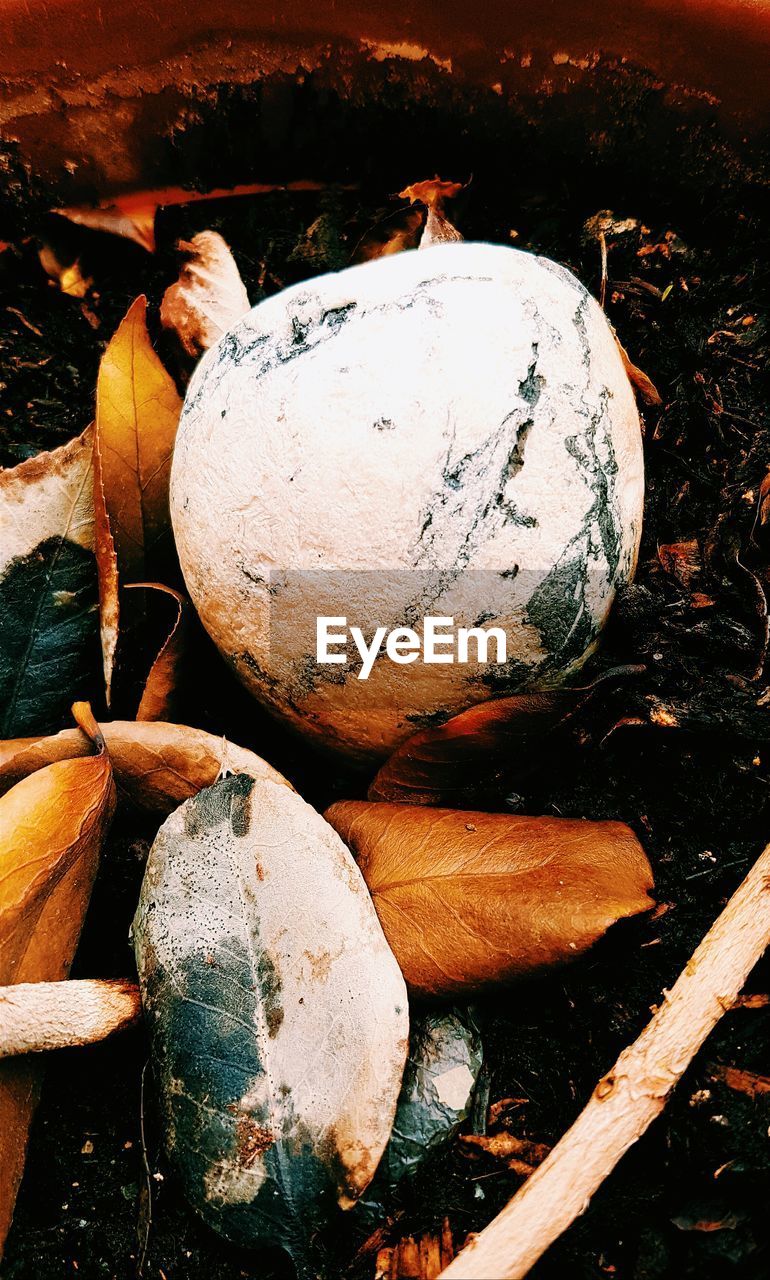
(226, 801)
(558, 610)
(270, 990)
(335, 317)
(530, 387)
(505, 677)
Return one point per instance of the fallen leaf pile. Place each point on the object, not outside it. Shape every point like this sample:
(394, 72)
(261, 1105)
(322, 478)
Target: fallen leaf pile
(277, 949)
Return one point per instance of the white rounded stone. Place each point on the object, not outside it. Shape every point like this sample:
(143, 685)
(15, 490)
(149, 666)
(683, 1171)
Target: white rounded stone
(446, 432)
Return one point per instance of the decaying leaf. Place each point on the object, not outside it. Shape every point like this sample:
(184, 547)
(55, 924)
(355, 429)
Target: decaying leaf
(52, 826)
(445, 1057)
(277, 1012)
(68, 276)
(156, 765)
(471, 758)
(132, 215)
(393, 234)
(467, 900)
(162, 687)
(137, 413)
(416, 1257)
(683, 561)
(741, 1081)
(519, 1154)
(638, 379)
(208, 298)
(432, 193)
(48, 590)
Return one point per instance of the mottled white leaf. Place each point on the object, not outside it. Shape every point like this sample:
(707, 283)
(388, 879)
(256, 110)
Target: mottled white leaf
(278, 1014)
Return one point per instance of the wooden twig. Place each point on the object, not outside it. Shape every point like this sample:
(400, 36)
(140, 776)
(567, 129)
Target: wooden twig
(627, 1100)
(54, 1015)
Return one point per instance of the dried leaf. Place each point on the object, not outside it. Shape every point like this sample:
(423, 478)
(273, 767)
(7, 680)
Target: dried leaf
(683, 561)
(393, 234)
(133, 215)
(209, 296)
(277, 1013)
(518, 1153)
(468, 900)
(445, 1057)
(740, 1081)
(156, 765)
(432, 193)
(52, 826)
(164, 680)
(137, 414)
(136, 223)
(48, 590)
(759, 533)
(638, 379)
(416, 1259)
(68, 276)
(470, 759)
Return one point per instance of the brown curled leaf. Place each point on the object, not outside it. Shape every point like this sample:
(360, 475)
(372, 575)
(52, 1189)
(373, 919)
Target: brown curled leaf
(471, 758)
(52, 826)
(156, 765)
(468, 900)
(163, 683)
(639, 381)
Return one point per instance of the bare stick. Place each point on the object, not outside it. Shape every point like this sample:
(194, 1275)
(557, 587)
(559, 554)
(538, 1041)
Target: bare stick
(53, 1015)
(630, 1096)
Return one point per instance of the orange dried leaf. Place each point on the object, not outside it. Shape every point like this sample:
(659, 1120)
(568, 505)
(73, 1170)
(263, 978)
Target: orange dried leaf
(748, 1082)
(468, 900)
(432, 193)
(132, 215)
(137, 414)
(162, 686)
(505, 1146)
(470, 758)
(683, 561)
(156, 765)
(52, 826)
(638, 379)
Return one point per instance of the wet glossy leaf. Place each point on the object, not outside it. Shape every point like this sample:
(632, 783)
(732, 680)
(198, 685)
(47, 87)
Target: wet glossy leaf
(468, 900)
(156, 765)
(52, 826)
(48, 591)
(277, 1012)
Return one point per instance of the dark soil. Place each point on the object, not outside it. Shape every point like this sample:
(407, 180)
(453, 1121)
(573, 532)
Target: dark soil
(680, 751)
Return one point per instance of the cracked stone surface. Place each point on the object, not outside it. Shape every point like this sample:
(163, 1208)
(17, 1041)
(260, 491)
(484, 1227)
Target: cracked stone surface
(446, 432)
